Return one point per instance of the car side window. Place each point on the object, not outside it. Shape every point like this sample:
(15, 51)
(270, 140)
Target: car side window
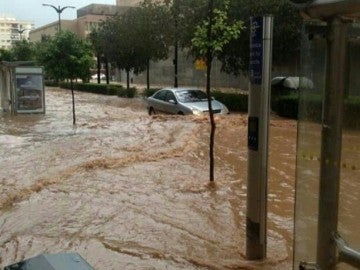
(161, 95)
(170, 96)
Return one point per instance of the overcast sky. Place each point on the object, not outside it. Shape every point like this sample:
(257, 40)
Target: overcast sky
(34, 11)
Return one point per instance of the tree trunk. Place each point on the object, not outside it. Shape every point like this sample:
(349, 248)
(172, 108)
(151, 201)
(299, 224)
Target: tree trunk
(148, 74)
(107, 75)
(208, 87)
(98, 58)
(73, 101)
(176, 44)
(127, 79)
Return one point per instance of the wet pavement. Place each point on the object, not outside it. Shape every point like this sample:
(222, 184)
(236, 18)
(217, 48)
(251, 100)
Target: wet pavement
(130, 191)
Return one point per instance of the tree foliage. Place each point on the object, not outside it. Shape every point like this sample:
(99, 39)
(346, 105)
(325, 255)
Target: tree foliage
(23, 50)
(6, 55)
(188, 14)
(96, 38)
(65, 56)
(235, 55)
(286, 38)
(222, 32)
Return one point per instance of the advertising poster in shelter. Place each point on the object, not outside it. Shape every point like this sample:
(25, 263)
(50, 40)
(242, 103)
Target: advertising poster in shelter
(29, 93)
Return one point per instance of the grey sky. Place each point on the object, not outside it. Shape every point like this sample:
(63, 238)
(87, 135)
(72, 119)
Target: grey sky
(40, 15)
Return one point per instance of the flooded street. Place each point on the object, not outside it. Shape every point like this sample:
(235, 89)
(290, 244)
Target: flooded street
(130, 191)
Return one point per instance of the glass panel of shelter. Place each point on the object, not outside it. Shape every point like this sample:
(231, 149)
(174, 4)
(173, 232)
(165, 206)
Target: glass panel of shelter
(313, 61)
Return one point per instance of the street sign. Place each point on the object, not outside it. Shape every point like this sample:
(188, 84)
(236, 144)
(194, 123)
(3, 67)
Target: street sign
(200, 64)
(256, 50)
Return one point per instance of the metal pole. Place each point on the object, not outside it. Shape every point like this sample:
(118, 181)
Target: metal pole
(331, 143)
(259, 107)
(59, 12)
(346, 253)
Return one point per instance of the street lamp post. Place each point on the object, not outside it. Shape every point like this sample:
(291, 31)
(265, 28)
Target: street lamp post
(59, 10)
(20, 31)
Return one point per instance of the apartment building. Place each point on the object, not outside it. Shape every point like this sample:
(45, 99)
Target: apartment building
(12, 30)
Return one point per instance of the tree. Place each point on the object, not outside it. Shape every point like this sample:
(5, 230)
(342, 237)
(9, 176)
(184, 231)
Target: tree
(137, 37)
(23, 50)
(97, 38)
(152, 25)
(122, 45)
(66, 57)
(209, 40)
(287, 33)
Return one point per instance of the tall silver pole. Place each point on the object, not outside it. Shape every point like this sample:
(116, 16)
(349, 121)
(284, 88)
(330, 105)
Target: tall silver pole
(258, 126)
(59, 14)
(331, 142)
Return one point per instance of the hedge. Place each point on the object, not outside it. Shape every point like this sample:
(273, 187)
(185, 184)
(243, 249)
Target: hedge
(352, 113)
(149, 92)
(286, 106)
(234, 102)
(104, 89)
(51, 83)
(129, 93)
(311, 109)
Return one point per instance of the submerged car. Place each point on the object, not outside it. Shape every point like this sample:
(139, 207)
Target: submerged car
(183, 101)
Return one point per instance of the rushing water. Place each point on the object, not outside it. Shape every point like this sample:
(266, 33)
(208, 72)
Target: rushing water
(129, 191)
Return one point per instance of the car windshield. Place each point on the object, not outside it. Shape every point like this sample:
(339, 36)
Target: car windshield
(187, 96)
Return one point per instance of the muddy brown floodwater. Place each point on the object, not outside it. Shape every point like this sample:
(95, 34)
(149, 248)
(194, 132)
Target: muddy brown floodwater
(129, 191)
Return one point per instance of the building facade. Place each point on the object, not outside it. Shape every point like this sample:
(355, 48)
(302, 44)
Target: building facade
(51, 29)
(128, 3)
(12, 30)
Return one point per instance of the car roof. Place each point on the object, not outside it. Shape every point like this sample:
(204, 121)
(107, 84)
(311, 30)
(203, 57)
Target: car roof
(180, 89)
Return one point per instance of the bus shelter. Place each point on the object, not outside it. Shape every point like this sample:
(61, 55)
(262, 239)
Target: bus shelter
(21, 88)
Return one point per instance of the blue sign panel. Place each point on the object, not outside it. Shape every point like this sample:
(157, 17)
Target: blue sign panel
(256, 50)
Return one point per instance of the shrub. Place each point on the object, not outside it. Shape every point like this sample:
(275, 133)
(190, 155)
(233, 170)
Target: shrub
(149, 92)
(351, 118)
(104, 89)
(129, 93)
(234, 102)
(51, 83)
(311, 109)
(277, 92)
(113, 89)
(287, 106)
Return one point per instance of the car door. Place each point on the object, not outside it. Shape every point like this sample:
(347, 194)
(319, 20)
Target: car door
(158, 101)
(170, 104)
